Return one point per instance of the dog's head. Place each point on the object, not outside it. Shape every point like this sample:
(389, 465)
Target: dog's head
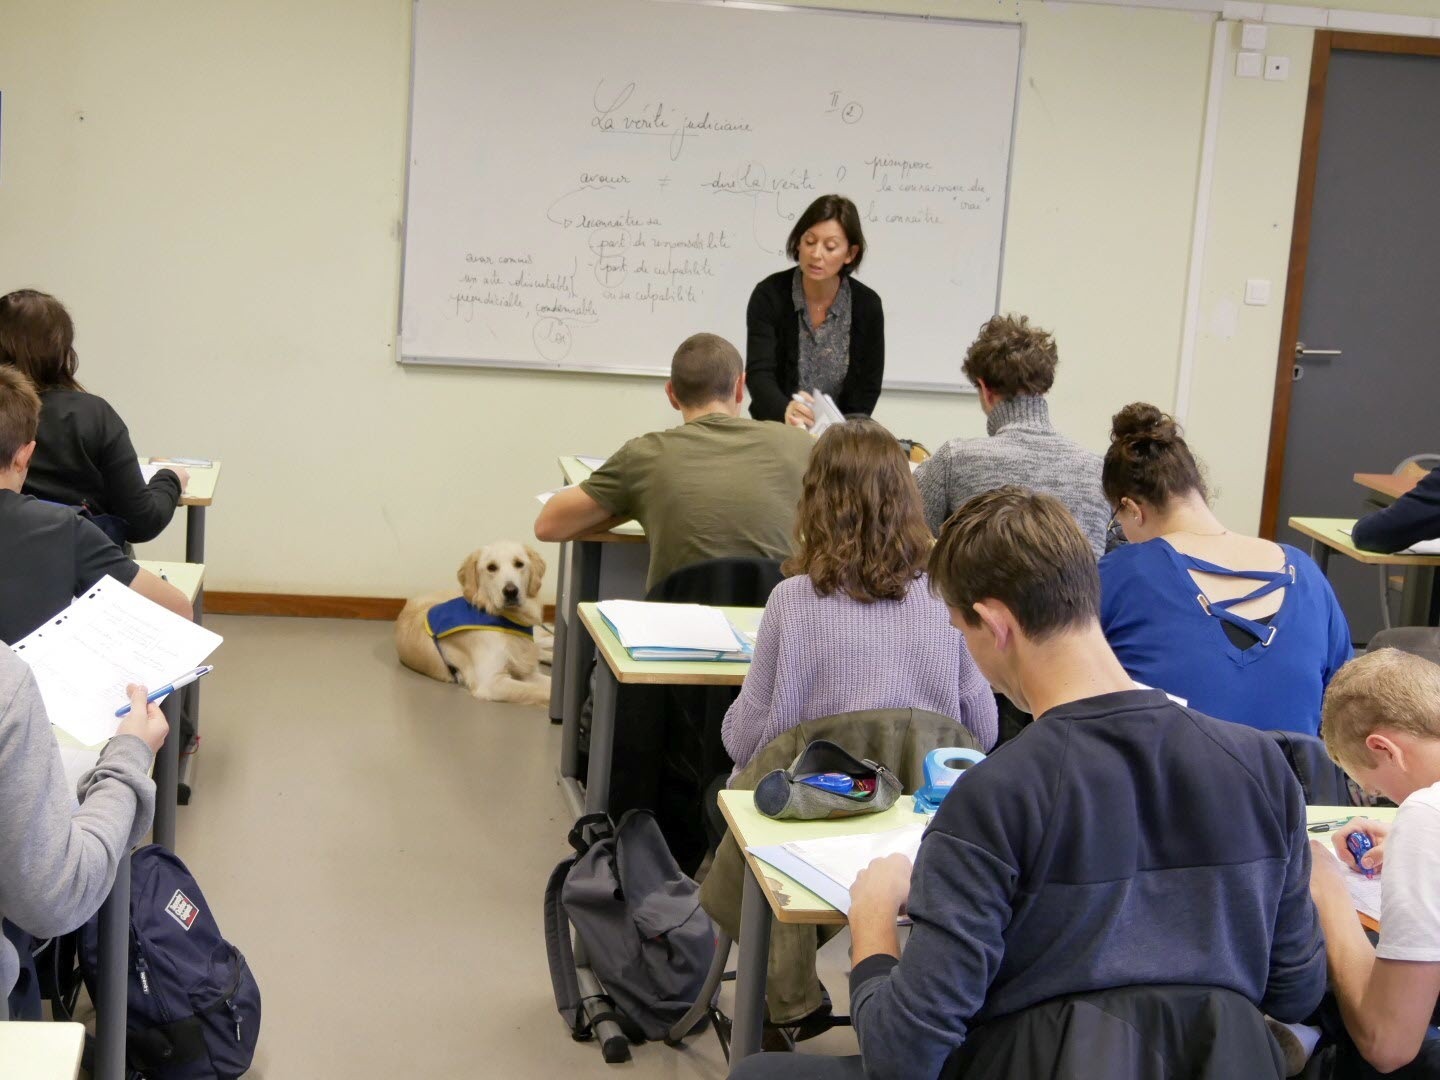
(502, 578)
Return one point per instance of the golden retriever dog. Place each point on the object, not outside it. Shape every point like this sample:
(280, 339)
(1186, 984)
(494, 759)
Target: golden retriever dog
(490, 651)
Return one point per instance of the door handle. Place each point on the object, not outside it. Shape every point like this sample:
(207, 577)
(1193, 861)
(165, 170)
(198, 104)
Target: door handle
(1301, 350)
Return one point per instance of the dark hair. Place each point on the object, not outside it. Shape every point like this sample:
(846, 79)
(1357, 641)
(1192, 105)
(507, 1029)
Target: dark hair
(19, 413)
(37, 336)
(1012, 357)
(830, 208)
(1023, 549)
(1148, 458)
(860, 526)
(704, 369)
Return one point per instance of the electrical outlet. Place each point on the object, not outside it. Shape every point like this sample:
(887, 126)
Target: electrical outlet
(1249, 64)
(1257, 292)
(1253, 36)
(1277, 68)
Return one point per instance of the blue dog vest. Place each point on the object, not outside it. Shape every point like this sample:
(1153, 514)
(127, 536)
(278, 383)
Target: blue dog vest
(452, 616)
(459, 614)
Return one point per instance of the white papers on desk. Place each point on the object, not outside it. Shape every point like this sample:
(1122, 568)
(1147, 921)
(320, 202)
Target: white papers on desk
(674, 631)
(83, 658)
(591, 463)
(1364, 892)
(77, 761)
(829, 866)
(148, 471)
(545, 496)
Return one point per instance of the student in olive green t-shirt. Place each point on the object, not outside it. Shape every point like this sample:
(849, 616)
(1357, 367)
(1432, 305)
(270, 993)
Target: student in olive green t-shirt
(719, 486)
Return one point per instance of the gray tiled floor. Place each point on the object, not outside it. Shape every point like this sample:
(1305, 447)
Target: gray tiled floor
(377, 844)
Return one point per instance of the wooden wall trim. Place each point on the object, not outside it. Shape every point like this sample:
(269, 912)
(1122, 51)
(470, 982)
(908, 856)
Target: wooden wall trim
(1355, 41)
(1295, 281)
(305, 606)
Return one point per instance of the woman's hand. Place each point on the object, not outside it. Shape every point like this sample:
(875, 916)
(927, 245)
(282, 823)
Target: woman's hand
(799, 413)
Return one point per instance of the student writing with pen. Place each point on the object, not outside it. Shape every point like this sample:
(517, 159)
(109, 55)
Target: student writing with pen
(1382, 726)
(57, 857)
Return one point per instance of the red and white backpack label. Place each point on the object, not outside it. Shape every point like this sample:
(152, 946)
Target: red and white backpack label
(182, 910)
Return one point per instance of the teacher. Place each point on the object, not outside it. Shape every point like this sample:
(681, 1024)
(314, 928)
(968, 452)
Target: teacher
(816, 327)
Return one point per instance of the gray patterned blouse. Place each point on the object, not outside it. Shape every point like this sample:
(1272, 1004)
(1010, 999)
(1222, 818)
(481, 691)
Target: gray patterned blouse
(824, 350)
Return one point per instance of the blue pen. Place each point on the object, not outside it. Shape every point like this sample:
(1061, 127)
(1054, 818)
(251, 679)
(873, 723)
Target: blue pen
(1359, 844)
(178, 684)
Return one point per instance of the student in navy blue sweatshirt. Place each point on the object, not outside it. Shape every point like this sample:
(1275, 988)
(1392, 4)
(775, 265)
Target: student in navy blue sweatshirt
(1120, 840)
(1413, 517)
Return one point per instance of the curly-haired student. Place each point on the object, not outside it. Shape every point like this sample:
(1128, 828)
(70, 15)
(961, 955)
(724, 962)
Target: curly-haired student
(854, 625)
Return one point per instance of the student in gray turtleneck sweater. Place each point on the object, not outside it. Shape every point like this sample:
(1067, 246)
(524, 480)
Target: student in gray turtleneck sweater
(1012, 364)
(57, 859)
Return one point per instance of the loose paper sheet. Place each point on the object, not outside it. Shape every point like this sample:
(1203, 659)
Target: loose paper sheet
(110, 636)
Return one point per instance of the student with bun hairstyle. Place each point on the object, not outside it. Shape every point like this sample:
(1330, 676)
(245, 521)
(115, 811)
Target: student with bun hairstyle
(83, 455)
(1241, 628)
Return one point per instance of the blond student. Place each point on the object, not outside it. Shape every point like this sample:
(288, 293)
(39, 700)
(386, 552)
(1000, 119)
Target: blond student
(1382, 725)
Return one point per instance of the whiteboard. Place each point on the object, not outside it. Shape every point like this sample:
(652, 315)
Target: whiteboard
(592, 181)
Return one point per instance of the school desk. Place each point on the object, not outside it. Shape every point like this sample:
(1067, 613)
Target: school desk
(613, 564)
(1333, 534)
(42, 1050)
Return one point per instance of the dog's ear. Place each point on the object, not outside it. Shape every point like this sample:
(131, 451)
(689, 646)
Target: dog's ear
(537, 571)
(469, 577)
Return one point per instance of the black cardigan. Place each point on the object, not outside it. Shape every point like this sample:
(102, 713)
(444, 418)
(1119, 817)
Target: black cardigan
(83, 457)
(772, 349)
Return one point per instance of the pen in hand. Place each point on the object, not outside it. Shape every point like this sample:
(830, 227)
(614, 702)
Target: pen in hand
(177, 684)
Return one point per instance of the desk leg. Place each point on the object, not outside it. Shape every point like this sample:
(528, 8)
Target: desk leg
(750, 970)
(584, 585)
(602, 741)
(167, 774)
(195, 534)
(1321, 554)
(112, 982)
(557, 660)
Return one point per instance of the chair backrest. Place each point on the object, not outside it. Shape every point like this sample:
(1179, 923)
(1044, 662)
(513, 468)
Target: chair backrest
(1419, 461)
(1323, 782)
(736, 582)
(1422, 641)
(1200, 1032)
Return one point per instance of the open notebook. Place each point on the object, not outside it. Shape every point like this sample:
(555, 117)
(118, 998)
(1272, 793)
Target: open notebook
(1364, 892)
(675, 631)
(109, 636)
(829, 866)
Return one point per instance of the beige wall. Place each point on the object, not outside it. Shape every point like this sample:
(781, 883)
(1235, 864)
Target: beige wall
(215, 189)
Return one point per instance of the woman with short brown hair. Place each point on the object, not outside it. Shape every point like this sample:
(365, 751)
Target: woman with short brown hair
(854, 626)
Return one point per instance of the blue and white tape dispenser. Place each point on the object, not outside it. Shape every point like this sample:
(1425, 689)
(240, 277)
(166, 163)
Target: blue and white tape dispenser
(942, 768)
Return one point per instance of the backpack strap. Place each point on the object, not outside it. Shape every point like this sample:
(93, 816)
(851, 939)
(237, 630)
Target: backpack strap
(561, 956)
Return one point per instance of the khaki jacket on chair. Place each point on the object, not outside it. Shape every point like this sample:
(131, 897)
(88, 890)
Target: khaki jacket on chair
(896, 738)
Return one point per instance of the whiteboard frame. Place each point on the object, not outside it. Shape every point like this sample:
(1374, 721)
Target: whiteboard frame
(742, 5)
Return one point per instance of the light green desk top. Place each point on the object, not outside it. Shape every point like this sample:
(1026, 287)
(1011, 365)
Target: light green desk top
(200, 491)
(185, 576)
(575, 471)
(1330, 532)
(1315, 814)
(47, 1050)
(669, 672)
(789, 900)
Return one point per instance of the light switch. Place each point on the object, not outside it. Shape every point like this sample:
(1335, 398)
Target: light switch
(1277, 68)
(1249, 64)
(1253, 36)
(1257, 292)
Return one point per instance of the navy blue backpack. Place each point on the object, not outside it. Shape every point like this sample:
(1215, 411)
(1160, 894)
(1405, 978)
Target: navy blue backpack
(194, 1008)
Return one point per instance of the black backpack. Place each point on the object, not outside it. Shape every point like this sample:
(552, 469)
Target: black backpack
(194, 1007)
(647, 939)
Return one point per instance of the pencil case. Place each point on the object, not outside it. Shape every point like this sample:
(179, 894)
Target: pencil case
(807, 790)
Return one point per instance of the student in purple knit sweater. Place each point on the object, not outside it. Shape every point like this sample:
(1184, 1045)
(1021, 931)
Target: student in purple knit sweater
(855, 626)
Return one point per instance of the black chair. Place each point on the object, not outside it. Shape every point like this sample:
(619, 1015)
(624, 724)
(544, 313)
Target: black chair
(1422, 641)
(1323, 782)
(1200, 1032)
(668, 750)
